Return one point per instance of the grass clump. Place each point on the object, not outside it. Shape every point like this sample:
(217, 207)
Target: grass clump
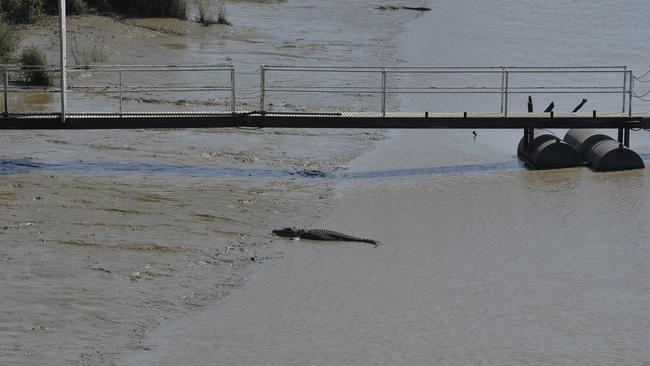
(86, 56)
(207, 17)
(8, 43)
(221, 15)
(33, 57)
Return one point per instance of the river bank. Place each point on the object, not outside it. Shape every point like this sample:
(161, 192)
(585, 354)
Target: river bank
(98, 252)
(272, 33)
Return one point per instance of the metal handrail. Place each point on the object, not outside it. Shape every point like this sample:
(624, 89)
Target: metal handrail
(504, 89)
(379, 68)
(120, 87)
(384, 88)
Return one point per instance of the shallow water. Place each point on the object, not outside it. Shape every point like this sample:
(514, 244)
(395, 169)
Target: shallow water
(105, 234)
(494, 266)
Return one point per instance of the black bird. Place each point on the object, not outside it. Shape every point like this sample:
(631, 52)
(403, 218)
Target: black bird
(577, 108)
(530, 104)
(550, 107)
(474, 133)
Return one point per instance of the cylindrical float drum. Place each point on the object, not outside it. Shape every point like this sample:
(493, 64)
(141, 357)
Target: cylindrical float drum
(601, 152)
(547, 151)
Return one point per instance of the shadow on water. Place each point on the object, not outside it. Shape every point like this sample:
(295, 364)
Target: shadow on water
(23, 166)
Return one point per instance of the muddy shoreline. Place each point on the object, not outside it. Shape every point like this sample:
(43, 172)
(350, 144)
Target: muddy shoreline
(106, 235)
(92, 260)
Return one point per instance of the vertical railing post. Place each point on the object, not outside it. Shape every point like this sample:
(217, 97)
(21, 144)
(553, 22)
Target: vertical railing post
(120, 88)
(6, 92)
(624, 87)
(629, 102)
(262, 86)
(232, 89)
(505, 93)
(383, 92)
(503, 80)
(63, 51)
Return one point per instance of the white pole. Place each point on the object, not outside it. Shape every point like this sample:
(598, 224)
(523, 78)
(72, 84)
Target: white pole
(63, 58)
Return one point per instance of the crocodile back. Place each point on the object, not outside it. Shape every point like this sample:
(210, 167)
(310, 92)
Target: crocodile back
(323, 234)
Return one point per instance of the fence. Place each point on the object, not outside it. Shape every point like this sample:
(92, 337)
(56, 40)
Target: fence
(501, 85)
(380, 82)
(119, 80)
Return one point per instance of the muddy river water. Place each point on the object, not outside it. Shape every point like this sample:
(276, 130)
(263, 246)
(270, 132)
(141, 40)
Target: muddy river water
(482, 262)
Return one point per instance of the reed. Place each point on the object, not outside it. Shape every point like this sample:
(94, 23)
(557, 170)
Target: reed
(221, 14)
(85, 56)
(206, 17)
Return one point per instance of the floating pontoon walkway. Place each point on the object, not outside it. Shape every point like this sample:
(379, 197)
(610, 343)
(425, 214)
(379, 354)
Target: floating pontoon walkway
(124, 87)
(362, 120)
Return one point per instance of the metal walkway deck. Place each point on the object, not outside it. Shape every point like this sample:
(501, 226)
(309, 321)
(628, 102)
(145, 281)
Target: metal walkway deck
(123, 88)
(364, 120)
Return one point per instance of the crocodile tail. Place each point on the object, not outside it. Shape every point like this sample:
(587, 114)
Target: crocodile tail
(376, 243)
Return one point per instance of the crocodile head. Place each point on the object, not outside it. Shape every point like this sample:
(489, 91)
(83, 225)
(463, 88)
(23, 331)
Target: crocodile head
(288, 232)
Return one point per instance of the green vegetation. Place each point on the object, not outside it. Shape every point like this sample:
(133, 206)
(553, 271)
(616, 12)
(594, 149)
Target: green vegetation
(22, 11)
(161, 8)
(33, 57)
(30, 11)
(76, 6)
(8, 43)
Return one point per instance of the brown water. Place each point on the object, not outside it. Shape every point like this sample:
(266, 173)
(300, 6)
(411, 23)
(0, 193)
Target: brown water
(494, 266)
(482, 262)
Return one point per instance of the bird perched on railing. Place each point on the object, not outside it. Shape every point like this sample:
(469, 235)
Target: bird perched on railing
(582, 103)
(550, 108)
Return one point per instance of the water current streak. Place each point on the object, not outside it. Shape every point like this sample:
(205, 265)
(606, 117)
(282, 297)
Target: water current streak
(24, 166)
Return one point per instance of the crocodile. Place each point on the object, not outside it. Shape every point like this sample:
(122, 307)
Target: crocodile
(320, 234)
